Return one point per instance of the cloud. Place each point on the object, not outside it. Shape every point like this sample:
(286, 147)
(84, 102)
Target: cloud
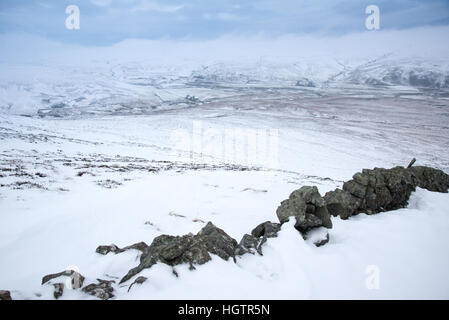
(101, 3)
(105, 22)
(223, 16)
(145, 6)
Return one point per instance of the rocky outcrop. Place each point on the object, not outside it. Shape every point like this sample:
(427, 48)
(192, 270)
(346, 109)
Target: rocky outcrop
(191, 249)
(370, 191)
(377, 190)
(5, 295)
(77, 279)
(103, 289)
(308, 208)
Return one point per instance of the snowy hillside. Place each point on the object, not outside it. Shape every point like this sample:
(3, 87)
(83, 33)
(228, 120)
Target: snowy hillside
(101, 148)
(140, 88)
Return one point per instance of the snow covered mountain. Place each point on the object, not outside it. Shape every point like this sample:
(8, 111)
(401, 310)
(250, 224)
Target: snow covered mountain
(139, 88)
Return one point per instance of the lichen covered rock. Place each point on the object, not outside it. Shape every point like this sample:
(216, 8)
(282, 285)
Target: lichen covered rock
(377, 190)
(308, 208)
(191, 249)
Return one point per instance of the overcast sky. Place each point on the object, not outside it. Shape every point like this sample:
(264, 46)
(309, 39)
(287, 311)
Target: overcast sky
(105, 22)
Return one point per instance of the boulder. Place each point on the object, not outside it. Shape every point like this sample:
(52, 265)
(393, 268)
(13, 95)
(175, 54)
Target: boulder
(217, 241)
(341, 203)
(266, 229)
(5, 295)
(308, 208)
(191, 249)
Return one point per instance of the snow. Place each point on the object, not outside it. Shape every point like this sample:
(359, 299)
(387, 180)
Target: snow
(115, 153)
(406, 245)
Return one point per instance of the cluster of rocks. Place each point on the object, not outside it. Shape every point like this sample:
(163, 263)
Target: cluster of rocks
(103, 289)
(196, 249)
(379, 189)
(370, 191)
(76, 281)
(190, 248)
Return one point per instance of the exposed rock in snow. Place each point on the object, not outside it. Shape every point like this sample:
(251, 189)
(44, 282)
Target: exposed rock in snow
(103, 289)
(249, 244)
(76, 278)
(430, 178)
(341, 203)
(379, 189)
(59, 290)
(139, 280)
(5, 295)
(308, 208)
(192, 249)
(319, 236)
(253, 243)
(266, 229)
(105, 249)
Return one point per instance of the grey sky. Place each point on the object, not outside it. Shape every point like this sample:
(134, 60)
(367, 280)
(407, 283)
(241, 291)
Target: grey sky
(110, 21)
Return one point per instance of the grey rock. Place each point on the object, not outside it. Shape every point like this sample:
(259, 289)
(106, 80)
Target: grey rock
(308, 208)
(105, 249)
(5, 295)
(341, 203)
(77, 278)
(322, 242)
(217, 241)
(253, 243)
(103, 289)
(430, 179)
(140, 246)
(306, 222)
(248, 244)
(377, 190)
(191, 249)
(139, 280)
(266, 229)
(59, 290)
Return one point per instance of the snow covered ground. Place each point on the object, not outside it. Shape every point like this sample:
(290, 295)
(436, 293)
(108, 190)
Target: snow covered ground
(121, 152)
